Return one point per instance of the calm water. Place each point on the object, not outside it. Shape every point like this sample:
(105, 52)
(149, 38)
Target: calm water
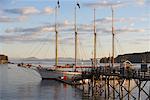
(25, 84)
(22, 84)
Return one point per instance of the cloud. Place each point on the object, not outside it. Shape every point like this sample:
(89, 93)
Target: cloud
(48, 10)
(39, 29)
(23, 11)
(127, 30)
(140, 2)
(125, 20)
(116, 4)
(29, 11)
(68, 28)
(22, 18)
(37, 34)
(88, 29)
(105, 4)
(22, 39)
(13, 39)
(28, 34)
(5, 19)
(121, 30)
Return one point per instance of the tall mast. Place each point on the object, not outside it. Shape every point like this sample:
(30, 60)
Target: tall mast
(75, 28)
(56, 31)
(94, 41)
(113, 36)
(56, 38)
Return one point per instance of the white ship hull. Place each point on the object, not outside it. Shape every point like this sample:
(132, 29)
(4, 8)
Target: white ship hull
(49, 74)
(52, 73)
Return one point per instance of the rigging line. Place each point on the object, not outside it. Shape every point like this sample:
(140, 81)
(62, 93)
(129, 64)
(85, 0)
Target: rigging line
(44, 44)
(34, 48)
(92, 50)
(47, 44)
(99, 46)
(30, 51)
(82, 49)
(39, 50)
(47, 50)
(64, 54)
(119, 46)
(24, 37)
(78, 48)
(31, 73)
(66, 49)
(85, 53)
(62, 49)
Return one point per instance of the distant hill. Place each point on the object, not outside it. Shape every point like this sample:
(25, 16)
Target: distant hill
(30, 58)
(61, 59)
(133, 57)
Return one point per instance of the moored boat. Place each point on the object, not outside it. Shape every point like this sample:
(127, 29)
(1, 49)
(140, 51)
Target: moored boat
(67, 72)
(49, 73)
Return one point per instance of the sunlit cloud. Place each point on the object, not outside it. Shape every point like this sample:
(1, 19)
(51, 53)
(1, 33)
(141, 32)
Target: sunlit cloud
(115, 4)
(122, 20)
(38, 29)
(29, 11)
(129, 30)
(22, 39)
(104, 4)
(22, 18)
(22, 11)
(69, 29)
(32, 38)
(142, 2)
(48, 10)
(6, 19)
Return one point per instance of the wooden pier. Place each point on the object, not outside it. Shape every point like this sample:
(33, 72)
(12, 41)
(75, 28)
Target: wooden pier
(116, 83)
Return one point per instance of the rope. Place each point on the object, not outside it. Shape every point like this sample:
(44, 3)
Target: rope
(38, 50)
(31, 73)
(81, 51)
(62, 49)
(33, 49)
(119, 46)
(47, 53)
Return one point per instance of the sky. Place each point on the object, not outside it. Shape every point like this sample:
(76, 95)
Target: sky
(27, 27)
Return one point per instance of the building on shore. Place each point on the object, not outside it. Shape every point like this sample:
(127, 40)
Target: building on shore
(3, 59)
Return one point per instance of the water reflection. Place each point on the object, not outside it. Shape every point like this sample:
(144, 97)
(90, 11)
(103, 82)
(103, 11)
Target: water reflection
(20, 84)
(25, 84)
